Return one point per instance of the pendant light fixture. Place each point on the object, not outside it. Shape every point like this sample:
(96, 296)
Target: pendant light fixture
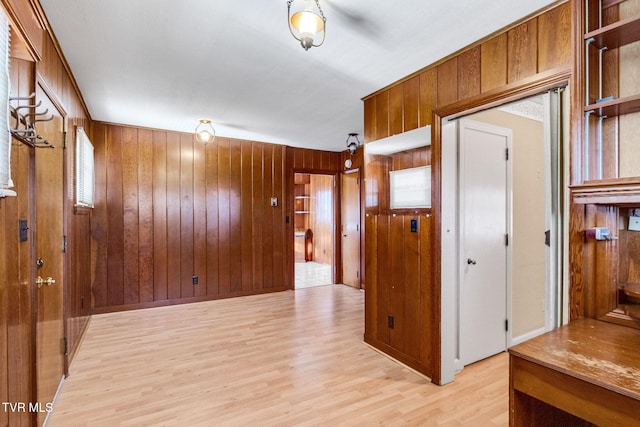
(307, 23)
(205, 133)
(352, 143)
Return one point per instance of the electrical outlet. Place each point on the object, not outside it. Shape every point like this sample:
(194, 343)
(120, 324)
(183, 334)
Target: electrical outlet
(194, 280)
(634, 223)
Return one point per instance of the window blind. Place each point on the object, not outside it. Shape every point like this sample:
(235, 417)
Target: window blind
(85, 175)
(5, 135)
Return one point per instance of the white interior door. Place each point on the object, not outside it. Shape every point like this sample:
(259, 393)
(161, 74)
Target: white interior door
(484, 228)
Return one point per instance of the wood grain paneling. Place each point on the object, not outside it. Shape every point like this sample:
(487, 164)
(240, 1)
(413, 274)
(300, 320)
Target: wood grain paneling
(493, 71)
(322, 217)
(469, 73)
(396, 110)
(554, 51)
(448, 82)
(428, 95)
(522, 51)
(382, 115)
(369, 119)
(188, 210)
(411, 103)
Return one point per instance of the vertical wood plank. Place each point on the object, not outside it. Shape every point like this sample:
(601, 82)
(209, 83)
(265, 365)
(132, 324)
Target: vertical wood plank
(411, 103)
(413, 321)
(554, 38)
(384, 277)
(493, 69)
(469, 73)
(145, 214)
(173, 216)
(371, 276)
(428, 95)
(186, 215)
(279, 237)
(258, 214)
(100, 217)
(396, 120)
(448, 82)
(130, 218)
(199, 218)
(236, 213)
(426, 294)
(224, 216)
(246, 226)
(382, 115)
(115, 217)
(267, 226)
(522, 51)
(397, 282)
(160, 192)
(213, 211)
(370, 119)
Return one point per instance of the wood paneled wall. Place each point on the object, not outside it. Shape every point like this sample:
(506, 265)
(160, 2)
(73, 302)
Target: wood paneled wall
(532, 47)
(169, 208)
(322, 217)
(34, 57)
(529, 50)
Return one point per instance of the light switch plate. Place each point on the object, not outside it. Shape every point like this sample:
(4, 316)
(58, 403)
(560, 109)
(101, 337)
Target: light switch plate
(274, 201)
(634, 223)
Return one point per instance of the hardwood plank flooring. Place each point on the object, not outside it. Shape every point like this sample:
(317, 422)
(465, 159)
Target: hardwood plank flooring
(280, 359)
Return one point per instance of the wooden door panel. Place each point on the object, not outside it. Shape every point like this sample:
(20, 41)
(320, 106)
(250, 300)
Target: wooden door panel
(49, 248)
(351, 229)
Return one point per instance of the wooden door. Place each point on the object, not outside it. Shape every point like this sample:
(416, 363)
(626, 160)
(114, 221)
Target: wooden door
(484, 210)
(50, 254)
(351, 229)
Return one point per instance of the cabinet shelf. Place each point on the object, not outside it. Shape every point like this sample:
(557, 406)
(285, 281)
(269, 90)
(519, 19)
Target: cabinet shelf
(617, 34)
(302, 212)
(302, 197)
(615, 107)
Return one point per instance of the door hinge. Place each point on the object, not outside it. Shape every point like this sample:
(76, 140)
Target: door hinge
(65, 344)
(506, 325)
(358, 274)
(64, 139)
(64, 244)
(506, 239)
(357, 227)
(506, 154)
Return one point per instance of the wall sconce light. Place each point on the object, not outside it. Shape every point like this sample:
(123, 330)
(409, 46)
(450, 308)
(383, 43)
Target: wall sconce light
(353, 143)
(307, 22)
(205, 132)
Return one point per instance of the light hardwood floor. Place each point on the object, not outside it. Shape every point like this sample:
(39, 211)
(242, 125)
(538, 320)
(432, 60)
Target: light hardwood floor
(283, 359)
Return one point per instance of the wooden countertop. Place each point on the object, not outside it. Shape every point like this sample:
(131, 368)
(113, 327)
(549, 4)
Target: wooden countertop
(594, 351)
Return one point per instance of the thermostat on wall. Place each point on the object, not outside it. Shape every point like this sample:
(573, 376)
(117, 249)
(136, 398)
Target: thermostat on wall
(634, 223)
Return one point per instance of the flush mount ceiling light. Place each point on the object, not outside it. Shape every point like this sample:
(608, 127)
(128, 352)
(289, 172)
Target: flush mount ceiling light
(307, 23)
(205, 132)
(352, 143)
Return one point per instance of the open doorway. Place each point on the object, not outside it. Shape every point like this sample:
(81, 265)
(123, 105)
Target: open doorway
(531, 232)
(314, 225)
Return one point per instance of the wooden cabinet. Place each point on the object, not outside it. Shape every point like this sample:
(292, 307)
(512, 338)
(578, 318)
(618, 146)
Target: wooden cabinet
(582, 374)
(612, 90)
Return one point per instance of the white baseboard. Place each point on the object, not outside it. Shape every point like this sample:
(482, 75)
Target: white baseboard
(524, 337)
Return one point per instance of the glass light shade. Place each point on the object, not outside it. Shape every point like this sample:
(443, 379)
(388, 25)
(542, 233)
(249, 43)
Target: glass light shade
(307, 23)
(205, 133)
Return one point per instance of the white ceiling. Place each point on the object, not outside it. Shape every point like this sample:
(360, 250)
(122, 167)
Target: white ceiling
(164, 64)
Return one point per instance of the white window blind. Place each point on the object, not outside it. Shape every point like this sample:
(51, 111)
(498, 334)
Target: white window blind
(85, 175)
(5, 135)
(410, 188)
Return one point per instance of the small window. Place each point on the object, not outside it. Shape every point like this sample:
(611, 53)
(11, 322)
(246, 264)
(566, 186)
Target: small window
(5, 136)
(85, 176)
(410, 188)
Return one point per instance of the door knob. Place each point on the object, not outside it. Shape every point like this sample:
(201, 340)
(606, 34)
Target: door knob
(471, 261)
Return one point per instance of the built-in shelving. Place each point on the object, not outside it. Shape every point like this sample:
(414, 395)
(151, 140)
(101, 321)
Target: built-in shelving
(615, 35)
(619, 192)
